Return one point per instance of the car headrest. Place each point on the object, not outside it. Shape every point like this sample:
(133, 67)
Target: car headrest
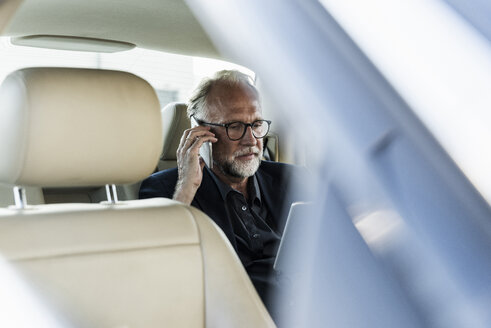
(174, 122)
(77, 127)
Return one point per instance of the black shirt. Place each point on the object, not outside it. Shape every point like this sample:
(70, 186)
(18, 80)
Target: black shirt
(256, 236)
(271, 184)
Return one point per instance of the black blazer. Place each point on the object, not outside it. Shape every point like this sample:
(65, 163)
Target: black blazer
(274, 179)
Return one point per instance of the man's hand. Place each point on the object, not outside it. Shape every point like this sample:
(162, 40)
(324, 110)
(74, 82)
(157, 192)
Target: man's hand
(189, 163)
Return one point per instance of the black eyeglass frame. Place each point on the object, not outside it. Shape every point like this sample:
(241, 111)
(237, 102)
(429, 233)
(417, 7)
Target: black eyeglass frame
(226, 125)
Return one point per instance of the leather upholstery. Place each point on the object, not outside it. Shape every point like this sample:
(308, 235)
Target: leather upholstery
(103, 126)
(142, 263)
(145, 263)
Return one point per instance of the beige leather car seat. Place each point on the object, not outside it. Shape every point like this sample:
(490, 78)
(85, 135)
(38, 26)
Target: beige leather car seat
(143, 263)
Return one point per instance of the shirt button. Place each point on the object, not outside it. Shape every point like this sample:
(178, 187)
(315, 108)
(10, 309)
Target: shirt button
(255, 236)
(244, 208)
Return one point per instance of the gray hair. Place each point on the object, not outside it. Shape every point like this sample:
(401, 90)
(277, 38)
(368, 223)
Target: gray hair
(199, 98)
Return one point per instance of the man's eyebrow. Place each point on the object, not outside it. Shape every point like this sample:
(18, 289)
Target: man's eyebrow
(235, 121)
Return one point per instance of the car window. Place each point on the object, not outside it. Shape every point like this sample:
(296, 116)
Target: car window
(173, 76)
(440, 66)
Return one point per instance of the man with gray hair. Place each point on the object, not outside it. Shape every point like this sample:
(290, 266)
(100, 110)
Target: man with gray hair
(245, 196)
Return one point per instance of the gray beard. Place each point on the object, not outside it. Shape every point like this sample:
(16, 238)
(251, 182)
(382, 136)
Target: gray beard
(237, 169)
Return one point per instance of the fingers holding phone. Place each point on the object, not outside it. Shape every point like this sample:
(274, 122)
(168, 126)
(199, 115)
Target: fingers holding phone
(205, 150)
(188, 161)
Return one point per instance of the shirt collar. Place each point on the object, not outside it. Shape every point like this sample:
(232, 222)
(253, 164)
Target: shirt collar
(224, 189)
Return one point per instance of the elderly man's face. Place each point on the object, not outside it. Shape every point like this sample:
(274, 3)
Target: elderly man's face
(240, 158)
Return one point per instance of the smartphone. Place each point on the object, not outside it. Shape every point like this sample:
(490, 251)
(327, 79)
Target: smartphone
(205, 151)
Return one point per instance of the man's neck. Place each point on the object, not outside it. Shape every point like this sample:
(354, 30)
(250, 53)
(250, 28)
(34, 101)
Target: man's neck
(239, 184)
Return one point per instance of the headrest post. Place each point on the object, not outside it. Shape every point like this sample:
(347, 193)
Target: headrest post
(112, 194)
(115, 193)
(20, 197)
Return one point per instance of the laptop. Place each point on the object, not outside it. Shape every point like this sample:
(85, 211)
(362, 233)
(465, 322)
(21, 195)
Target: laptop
(293, 233)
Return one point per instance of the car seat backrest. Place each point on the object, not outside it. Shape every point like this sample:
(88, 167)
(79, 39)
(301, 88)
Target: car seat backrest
(174, 122)
(142, 263)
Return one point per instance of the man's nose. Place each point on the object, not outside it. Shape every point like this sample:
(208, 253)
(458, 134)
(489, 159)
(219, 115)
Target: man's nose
(248, 138)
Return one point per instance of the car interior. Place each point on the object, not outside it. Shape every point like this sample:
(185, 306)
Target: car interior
(113, 252)
(77, 143)
(93, 101)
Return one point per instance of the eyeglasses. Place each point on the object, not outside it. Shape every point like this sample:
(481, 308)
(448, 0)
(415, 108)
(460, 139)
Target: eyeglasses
(237, 130)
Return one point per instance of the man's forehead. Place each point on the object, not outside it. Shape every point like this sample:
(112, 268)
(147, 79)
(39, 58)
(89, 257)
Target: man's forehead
(233, 100)
(222, 92)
